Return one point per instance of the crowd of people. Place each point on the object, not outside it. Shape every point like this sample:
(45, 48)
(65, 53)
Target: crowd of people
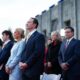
(26, 58)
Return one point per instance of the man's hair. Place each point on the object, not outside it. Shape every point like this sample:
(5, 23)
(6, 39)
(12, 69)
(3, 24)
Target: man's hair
(1, 42)
(72, 29)
(7, 32)
(35, 21)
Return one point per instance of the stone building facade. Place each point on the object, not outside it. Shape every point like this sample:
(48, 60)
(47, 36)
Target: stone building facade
(66, 13)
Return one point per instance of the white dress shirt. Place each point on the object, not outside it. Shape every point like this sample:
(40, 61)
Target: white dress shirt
(5, 43)
(69, 40)
(30, 33)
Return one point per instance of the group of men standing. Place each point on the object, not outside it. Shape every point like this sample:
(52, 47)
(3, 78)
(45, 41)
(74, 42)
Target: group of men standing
(31, 62)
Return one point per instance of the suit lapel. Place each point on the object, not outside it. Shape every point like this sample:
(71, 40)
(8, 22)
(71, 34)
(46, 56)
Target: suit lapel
(31, 37)
(63, 49)
(69, 46)
(7, 44)
(63, 46)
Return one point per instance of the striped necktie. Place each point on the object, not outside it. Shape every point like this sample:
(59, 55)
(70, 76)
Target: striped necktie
(67, 43)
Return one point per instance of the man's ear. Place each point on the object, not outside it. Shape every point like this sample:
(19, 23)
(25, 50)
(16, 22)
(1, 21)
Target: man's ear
(8, 36)
(35, 25)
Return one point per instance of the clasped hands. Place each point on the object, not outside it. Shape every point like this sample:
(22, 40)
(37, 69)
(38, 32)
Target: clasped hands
(23, 66)
(65, 66)
(8, 70)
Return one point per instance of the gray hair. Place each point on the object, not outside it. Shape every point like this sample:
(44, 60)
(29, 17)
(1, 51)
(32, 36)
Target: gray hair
(57, 33)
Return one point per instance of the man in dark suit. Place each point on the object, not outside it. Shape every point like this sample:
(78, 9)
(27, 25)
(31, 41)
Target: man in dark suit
(5, 53)
(69, 56)
(33, 55)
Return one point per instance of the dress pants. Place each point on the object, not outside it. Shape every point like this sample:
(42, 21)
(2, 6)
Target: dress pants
(24, 77)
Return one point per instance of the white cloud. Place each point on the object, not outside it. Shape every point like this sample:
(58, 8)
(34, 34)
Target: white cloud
(15, 13)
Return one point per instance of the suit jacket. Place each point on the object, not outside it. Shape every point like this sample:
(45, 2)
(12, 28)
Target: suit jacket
(33, 54)
(4, 55)
(71, 55)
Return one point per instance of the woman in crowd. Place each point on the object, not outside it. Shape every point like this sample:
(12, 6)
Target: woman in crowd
(52, 54)
(12, 67)
(46, 49)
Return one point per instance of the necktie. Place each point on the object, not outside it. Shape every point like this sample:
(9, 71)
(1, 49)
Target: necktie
(67, 43)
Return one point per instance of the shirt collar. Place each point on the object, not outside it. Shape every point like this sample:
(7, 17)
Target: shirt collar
(30, 33)
(6, 42)
(70, 39)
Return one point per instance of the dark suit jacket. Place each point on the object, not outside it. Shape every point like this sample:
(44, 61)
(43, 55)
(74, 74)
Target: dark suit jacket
(4, 55)
(33, 54)
(52, 56)
(71, 55)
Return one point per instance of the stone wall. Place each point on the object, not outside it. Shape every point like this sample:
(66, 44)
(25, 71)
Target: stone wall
(66, 13)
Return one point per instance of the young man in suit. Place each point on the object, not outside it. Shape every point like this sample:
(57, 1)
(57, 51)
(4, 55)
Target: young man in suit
(33, 55)
(5, 53)
(69, 56)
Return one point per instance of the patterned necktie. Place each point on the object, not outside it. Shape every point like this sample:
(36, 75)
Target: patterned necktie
(67, 43)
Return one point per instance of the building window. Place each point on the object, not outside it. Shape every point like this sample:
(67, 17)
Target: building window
(54, 24)
(67, 23)
(44, 32)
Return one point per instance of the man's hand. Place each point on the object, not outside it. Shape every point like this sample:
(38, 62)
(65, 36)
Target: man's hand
(8, 70)
(65, 66)
(45, 64)
(22, 65)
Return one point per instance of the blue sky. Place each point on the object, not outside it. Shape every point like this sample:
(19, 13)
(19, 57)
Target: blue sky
(15, 13)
